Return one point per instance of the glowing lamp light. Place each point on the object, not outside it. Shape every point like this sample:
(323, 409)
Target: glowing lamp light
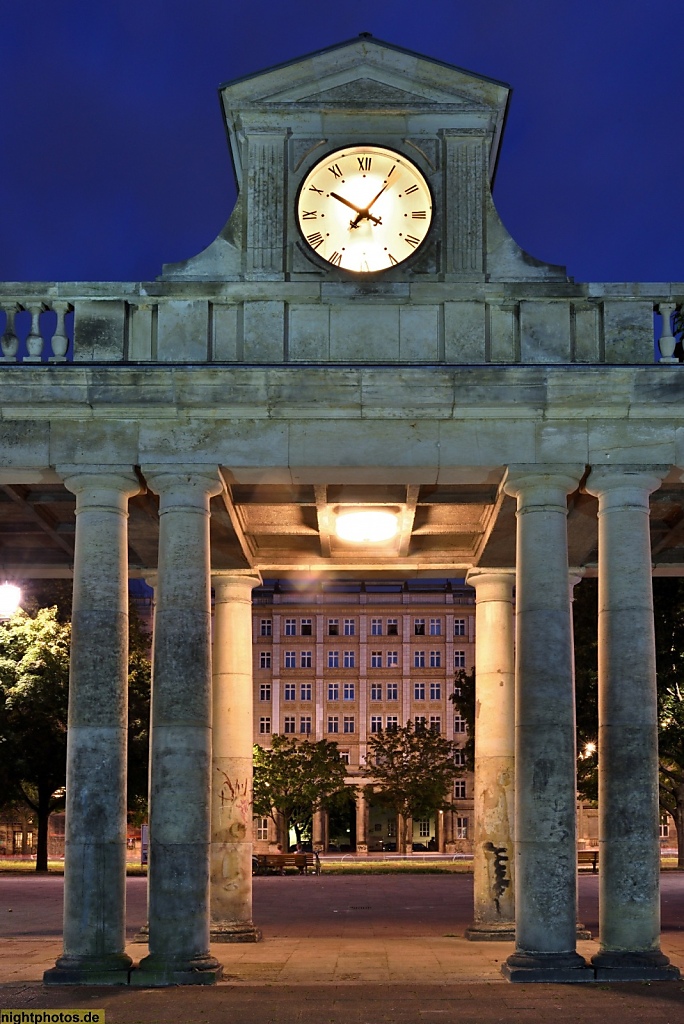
(367, 526)
(10, 596)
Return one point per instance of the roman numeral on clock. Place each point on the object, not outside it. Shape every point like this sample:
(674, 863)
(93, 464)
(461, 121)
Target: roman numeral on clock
(364, 163)
(309, 214)
(412, 188)
(315, 240)
(392, 259)
(312, 188)
(419, 215)
(413, 242)
(336, 259)
(335, 171)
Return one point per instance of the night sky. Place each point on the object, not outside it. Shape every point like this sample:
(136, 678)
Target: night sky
(114, 157)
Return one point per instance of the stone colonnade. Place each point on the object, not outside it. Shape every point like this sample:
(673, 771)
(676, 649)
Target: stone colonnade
(194, 843)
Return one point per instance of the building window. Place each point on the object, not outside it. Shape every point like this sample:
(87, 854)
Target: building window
(290, 659)
(392, 659)
(435, 691)
(333, 691)
(290, 691)
(435, 723)
(265, 627)
(289, 723)
(459, 789)
(392, 627)
(461, 828)
(333, 627)
(349, 627)
(348, 723)
(264, 725)
(391, 828)
(261, 829)
(344, 756)
(419, 722)
(306, 627)
(376, 723)
(419, 627)
(264, 659)
(419, 659)
(435, 659)
(305, 691)
(459, 724)
(392, 723)
(333, 723)
(376, 659)
(305, 724)
(333, 659)
(459, 659)
(349, 691)
(419, 691)
(457, 691)
(290, 627)
(459, 758)
(265, 691)
(435, 627)
(459, 627)
(664, 828)
(423, 827)
(305, 659)
(392, 691)
(349, 659)
(376, 627)
(376, 691)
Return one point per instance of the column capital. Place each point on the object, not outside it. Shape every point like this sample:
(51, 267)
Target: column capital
(90, 484)
(491, 584)
(181, 485)
(540, 485)
(625, 484)
(234, 584)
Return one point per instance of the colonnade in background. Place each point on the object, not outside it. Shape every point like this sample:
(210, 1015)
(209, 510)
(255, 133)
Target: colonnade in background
(200, 814)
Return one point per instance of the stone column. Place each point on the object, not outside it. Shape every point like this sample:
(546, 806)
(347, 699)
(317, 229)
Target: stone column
(361, 822)
(95, 842)
(180, 770)
(320, 831)
(494, 898)
(232, 738)
(545, 763)
(629, 909)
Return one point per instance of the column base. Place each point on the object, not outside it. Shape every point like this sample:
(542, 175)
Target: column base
(95, 970)
(494, 931)
(160, 971)
(245, 932)
(565, 968)
(634, 966)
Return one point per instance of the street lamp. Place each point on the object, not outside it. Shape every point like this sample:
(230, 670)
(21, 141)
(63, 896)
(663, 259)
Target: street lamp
(10, 596)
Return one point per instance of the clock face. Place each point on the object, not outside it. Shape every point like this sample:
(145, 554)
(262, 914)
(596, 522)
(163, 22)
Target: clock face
(364, 209)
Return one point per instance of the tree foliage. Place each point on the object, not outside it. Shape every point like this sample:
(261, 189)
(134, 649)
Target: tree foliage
(34, 694)
(414, 768)
(463, 699)
(294, 779)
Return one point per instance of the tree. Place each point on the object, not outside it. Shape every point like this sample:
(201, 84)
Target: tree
(295, 779)
(463, 699)
(415, 769)
(139, 682)
(34, 694)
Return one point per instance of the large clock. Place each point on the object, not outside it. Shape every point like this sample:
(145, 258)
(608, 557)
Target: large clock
(364, 209)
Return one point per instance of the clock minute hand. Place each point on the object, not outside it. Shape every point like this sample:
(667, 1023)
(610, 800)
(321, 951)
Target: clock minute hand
(360, 214)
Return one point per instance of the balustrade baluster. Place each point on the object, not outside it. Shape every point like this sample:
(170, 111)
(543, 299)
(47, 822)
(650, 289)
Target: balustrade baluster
(60, 341)
(34, 341)
(9, 341)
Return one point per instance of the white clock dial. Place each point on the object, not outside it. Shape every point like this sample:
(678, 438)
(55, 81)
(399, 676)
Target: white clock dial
(364, 209)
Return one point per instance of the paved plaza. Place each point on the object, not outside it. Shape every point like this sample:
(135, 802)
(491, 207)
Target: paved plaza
(340, 948)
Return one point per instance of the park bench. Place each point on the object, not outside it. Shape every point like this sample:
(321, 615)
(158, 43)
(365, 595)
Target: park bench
(588, 857)
(276, 863)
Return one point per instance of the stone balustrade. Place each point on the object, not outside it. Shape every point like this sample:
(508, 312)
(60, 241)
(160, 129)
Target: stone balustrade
(342, 322)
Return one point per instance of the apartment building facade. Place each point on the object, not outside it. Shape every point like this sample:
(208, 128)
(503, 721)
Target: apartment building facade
(343, 660)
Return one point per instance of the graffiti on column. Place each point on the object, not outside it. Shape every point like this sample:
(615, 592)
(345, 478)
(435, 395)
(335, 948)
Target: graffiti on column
(236, 799)
(500, 881)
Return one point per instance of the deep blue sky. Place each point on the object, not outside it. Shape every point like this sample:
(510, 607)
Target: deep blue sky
(114, 157)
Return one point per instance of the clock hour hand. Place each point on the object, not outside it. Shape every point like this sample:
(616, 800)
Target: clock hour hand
(357, 209)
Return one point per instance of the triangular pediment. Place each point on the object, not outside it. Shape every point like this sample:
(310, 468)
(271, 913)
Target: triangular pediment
(369, 72)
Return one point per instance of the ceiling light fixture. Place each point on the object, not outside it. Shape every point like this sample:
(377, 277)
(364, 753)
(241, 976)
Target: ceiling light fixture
(366, 526)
